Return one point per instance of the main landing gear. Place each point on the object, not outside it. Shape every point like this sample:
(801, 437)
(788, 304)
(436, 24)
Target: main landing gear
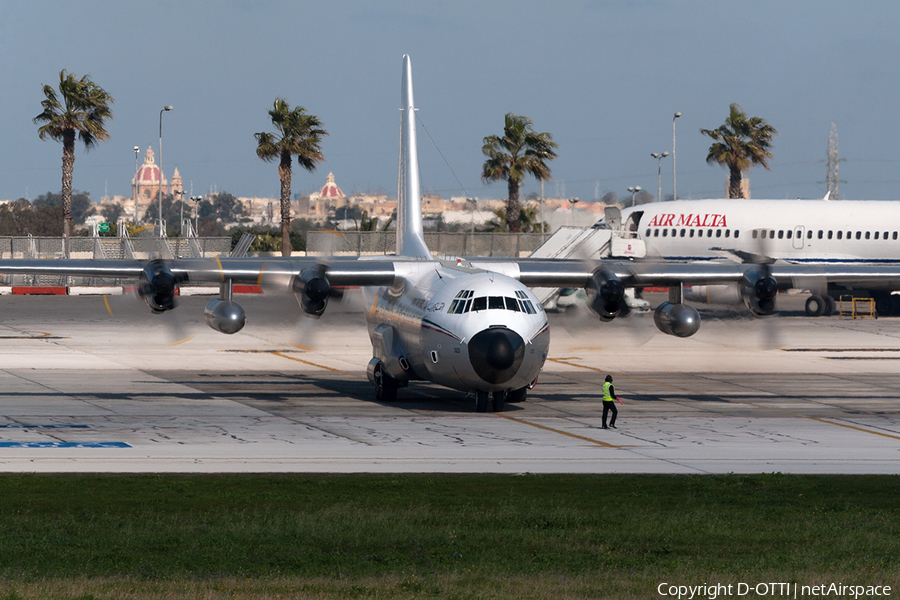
(818, 306)
(385, 385)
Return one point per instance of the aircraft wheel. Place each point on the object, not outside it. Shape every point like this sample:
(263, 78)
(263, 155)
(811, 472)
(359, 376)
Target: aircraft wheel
(385, 385)
(883, 305)
(895, 305)
(517, 395)
(815, 306)
(499, 401)
(481, 401)
(829, 306)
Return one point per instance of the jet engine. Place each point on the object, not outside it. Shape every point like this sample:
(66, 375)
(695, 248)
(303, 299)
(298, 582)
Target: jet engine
(225, 316)
(312, 290)
(157, 286)
(606, 294)
(758, 290)
(680, 320)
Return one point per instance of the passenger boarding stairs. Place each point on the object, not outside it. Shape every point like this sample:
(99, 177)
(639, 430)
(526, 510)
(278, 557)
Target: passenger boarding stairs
(606, 239)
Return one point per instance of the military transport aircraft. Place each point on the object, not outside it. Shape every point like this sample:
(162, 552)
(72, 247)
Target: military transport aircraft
(469, 324)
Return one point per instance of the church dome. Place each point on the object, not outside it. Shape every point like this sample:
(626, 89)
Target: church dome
(331, 190)
(148, 174)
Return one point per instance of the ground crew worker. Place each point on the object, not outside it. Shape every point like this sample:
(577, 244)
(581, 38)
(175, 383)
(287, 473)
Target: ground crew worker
(609, 404)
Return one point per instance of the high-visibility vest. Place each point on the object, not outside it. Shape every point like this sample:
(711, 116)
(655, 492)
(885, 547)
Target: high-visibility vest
(607, 397)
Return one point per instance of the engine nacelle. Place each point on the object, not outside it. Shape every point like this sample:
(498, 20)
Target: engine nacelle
(225, 316)
(758, 291)
(714, 294)
(157, 286)
(605, 294)
(680, 320)
(312, 290)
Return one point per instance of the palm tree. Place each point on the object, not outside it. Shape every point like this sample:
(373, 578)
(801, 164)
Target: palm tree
(83, 112)
(518, 153)
(299, 134)
(740, 144)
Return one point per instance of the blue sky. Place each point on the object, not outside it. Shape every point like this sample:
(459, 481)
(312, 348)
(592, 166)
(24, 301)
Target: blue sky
(604, 78)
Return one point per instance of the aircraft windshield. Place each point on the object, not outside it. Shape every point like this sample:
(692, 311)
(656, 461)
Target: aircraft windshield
(464, 302)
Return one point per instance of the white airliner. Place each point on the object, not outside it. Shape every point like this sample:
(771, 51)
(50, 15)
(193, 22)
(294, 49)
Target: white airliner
(814, 232)
(471, 325)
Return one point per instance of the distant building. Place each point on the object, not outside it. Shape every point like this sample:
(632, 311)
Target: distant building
(329, 196)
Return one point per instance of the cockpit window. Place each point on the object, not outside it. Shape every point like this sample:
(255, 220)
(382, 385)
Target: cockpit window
(461, 303)
(518, 304)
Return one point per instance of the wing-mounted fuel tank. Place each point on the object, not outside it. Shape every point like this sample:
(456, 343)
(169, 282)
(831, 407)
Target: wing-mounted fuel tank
(387, 348)
(758, 291)
(675, 317)
(312, 290)
(224, 314)
(606, 294)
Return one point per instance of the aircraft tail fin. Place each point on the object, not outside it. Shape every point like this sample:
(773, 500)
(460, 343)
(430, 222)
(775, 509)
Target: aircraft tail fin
(410, 233)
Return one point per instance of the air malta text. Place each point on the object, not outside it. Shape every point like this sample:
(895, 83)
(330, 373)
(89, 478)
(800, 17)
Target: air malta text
(689, 220)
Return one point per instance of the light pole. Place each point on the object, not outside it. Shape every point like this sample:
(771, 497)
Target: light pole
(633, 191)
(196, 199)
(474, 203)
(181, 226)
(659, 158)
(573, 202)
(159, 195)
(136, 183)
(674, 188)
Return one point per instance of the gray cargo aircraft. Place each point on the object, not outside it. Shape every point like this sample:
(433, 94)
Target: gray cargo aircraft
(468, 324)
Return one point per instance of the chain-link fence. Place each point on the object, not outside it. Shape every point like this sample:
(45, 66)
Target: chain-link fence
(102, 248)
(358, 243)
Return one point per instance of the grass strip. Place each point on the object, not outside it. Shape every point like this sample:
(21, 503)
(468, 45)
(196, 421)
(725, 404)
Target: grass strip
(498, 536)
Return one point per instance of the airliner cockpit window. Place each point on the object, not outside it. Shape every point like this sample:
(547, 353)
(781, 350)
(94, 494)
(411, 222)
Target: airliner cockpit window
(495, 302)
(511, 304)
(461, 303)
(479, 303)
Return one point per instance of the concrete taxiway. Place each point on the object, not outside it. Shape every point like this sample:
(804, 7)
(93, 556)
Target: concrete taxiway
(94, 385)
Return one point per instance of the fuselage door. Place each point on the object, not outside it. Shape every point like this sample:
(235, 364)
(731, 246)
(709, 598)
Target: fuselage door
(798, 237)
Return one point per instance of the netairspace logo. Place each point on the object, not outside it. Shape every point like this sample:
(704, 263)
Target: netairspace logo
(770, 589)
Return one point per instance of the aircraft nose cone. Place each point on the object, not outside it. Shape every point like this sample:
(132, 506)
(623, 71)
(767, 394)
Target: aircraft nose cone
(496, 354)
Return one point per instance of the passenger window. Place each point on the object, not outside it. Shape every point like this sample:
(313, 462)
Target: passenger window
(820, 234)
(709, 233)
(867, 235)
(480, 303)
(648, 233)
(809, 234)
(840, 234)
(788, 235)
(876, 235)
(727, 233)
(656, 233)
(772, 235)
(894, 237)
(885, 235)
(665, 232)
(674, 231)
(858, 234)
(692, 233)
(511, 304)
(737, 232)
(781, 234)
(830, 233)
(754, 234)
(682, 233)
(718, 233)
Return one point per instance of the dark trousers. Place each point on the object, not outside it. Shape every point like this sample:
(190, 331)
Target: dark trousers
(607, 407)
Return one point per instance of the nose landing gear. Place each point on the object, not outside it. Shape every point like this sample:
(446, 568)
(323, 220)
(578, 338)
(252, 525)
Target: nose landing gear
(485, 400)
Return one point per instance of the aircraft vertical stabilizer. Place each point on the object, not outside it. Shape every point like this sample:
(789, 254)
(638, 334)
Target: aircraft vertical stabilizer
(410, 236)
